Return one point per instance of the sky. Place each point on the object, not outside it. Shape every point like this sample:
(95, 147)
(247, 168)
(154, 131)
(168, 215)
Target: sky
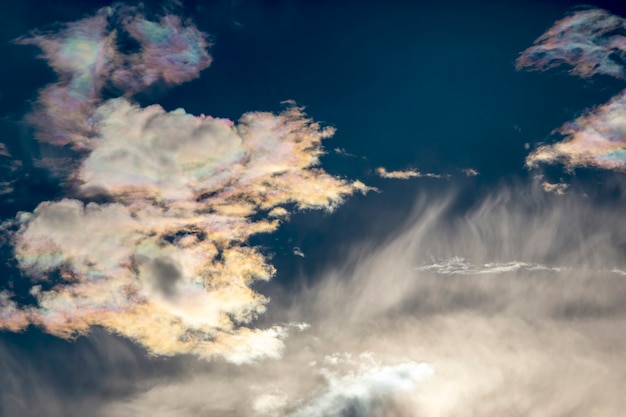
(302, 209)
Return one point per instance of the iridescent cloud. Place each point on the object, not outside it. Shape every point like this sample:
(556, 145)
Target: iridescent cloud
(166, 262)
(590, 41)
(171, 52)
(87, 58)
(167, 265)
(595, 139)
(559, 188)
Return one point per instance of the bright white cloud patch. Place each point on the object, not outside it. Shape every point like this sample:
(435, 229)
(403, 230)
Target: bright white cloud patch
(365, 391)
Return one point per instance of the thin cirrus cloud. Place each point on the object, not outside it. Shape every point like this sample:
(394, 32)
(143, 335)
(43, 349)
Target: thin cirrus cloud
(166, 262)
(591, 42)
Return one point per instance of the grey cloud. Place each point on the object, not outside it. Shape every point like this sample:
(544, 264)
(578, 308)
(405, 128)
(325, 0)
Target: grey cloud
(165, 274)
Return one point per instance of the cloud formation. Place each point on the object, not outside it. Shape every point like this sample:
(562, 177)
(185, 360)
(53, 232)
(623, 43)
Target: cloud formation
(403, 175)
(591, 42)
(595, 139)
(89, 57)
(558, 188)
(459, 266)
(167, 264)
(365, 391)
(526, 318)
(166, 261)
(470, 172)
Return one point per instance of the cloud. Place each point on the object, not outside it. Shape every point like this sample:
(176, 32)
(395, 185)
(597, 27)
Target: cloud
(166, 262)
(458, 265)
(558, 188)
(211, 164)
(590, 41)
(470, 172)
(595, 139)
(88, 58)
(526, 301)
(10, 317)
(527, 304)
(364, 392)
(403, 175)
(517, 303)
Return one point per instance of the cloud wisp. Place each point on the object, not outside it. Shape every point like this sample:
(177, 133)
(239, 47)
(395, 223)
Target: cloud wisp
(459, 266)
(591, 42)
(165, 262)
(405, 174)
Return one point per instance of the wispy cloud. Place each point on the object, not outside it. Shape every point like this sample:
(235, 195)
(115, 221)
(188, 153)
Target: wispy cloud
(589, 41)
(404, 175)
(470, 172)
(172, 250)
(491, 337)
(459, 266)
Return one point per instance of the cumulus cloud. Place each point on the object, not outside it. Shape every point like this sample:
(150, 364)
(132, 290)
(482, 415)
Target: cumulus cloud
(166, 262)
